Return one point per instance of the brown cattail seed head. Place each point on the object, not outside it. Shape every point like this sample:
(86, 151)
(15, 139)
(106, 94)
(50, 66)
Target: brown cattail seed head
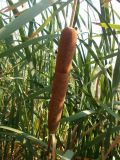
(65, 54)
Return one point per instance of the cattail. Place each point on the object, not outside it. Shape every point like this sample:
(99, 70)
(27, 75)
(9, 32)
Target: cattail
(65, 54)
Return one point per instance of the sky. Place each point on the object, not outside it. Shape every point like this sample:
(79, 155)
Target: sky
(115, 4)
(83, 12)
(94, 17)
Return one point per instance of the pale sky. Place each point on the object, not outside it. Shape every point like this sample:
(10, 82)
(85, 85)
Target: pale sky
(115, 4)
(83, 12)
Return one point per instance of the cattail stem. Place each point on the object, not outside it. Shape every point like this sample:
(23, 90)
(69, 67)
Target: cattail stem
(51, 147)
(73, 13)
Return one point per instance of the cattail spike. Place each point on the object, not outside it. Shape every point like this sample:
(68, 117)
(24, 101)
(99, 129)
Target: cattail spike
(65, 54)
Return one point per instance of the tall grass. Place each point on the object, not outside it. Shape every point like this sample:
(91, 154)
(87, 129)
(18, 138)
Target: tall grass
(90, 120)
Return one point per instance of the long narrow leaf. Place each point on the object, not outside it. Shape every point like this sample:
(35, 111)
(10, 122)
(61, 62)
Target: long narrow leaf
(25, 17)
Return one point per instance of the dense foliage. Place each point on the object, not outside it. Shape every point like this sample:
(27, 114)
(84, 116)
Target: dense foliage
(90, 124)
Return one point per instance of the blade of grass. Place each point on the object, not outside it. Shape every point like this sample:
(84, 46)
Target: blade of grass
(25, 17)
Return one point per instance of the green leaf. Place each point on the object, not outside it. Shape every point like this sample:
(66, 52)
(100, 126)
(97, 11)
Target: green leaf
(77, 116)
(68, 155)
(11, 50)
(113, 26)
(11, 7)
(29, 137)
(110, 111)
(50, 18)
(25, 17)
(116, 74)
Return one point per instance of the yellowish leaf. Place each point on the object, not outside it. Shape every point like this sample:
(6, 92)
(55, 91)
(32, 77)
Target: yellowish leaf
(112, 26)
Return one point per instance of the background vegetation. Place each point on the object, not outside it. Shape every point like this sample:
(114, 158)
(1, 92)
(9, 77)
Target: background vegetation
(90, 124)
